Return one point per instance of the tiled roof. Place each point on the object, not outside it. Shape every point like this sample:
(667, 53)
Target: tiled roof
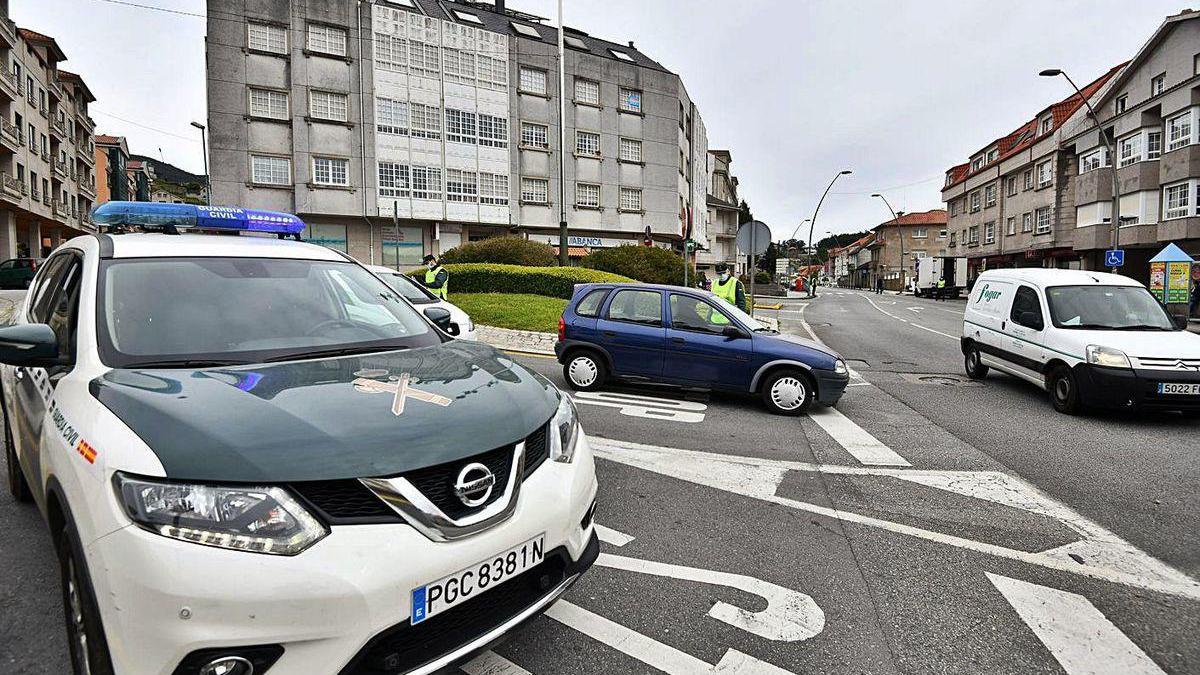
(133, 165)
(34, 36)
(76, 80)
(105, 138)
(1026, 134)
(931, 217)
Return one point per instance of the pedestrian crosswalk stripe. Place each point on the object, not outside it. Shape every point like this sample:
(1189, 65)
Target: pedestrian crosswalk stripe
(857, 441)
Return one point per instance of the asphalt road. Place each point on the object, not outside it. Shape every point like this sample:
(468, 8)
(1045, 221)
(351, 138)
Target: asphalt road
(928, 524)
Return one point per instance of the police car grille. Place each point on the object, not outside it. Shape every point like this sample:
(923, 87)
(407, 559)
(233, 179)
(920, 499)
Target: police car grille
(345, 502)
(405, 647)
(537, 449)
(437, 482)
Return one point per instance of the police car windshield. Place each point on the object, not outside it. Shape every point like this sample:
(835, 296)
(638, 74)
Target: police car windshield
(165, 312)
(1106, 308)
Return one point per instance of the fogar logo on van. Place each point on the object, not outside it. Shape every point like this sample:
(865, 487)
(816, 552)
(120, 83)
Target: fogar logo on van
(986, 295)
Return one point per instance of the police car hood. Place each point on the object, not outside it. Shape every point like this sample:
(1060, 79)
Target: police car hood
(331, 418)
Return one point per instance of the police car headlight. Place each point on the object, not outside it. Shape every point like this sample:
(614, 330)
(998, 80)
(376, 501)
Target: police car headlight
(840, 368)
(254, 519)
(1107, 356)
(564, 431)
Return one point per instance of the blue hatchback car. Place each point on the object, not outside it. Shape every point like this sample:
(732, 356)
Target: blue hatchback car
(691, 338)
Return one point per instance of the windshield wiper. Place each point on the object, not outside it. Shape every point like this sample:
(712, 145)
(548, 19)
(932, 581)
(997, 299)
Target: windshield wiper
(343, 351)
(1088, 326)
(1141, 327)
(185, 363)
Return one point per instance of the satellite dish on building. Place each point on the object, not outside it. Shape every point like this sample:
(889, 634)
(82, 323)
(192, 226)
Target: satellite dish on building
(753, 237)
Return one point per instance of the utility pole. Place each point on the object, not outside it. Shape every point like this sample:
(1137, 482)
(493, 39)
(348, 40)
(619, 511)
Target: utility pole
(562, 144)
(204, 154)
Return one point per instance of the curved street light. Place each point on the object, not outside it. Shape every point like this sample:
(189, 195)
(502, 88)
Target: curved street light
(899, 232)
(812, 290)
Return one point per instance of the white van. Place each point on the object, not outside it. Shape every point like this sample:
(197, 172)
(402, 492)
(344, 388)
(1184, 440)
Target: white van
(1088, 338)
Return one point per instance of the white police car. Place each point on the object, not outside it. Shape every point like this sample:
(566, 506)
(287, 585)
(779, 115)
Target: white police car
(255, 458)
(461, 325)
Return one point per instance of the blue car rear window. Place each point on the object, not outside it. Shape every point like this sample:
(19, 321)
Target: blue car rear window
(590, 304)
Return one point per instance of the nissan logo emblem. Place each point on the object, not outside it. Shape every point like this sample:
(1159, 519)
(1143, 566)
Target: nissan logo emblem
(474, 484)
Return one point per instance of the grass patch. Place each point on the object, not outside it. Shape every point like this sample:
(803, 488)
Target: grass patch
(520, 311)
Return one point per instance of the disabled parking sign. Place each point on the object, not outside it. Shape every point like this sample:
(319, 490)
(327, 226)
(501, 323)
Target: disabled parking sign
(1114, 258)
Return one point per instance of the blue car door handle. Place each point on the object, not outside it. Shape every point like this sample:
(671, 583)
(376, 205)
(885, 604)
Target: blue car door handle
(678, 340)
(610, 333)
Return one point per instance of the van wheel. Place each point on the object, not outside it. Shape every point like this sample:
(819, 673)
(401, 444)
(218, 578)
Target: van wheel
(85, 634)
(974, 365)
(584, 371)
(1064, 393)
(17, 486)
(788, 392)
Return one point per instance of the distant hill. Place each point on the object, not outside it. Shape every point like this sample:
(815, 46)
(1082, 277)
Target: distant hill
(169, 172)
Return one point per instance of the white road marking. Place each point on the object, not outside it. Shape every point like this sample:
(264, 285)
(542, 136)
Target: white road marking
(652, 652)
(491, 663)
(857, 441)
(914, 325)
(1078, 635)
(916, 310)
(790, 616)
(1117, 560)
(611, 536)
(645, 406)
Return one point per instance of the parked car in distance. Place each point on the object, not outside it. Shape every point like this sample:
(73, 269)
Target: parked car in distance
(18, 272)
(420, 296)
(1090, 339)
(690, 337)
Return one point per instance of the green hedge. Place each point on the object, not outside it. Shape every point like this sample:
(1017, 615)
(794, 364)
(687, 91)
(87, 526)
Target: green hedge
(555, 282)
(650, 264)
(502, 250)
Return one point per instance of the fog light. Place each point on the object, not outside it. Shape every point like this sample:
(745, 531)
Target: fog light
(228, 665)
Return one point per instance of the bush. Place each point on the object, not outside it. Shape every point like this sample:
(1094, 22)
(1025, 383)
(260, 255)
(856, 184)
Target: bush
(555, 282)
(649, 264)
(503, 251)
(760, 277)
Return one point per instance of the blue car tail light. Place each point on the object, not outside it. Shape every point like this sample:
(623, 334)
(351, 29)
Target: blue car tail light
(153, 215)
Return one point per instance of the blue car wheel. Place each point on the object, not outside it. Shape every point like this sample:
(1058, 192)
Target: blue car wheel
(788, 392)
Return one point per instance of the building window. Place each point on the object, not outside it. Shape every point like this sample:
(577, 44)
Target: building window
(1179, 130)
(1158, 84)
(1010, 186)
(587, 195)
(973, 234)
(423, 59)
(328, 105)
(534, 136)
(263, 37)
(493, 131)
(1027, 222)
(425, 121)
(391, 117)
(1177, 200)
(587, 143)
(393, 179)
(953, 208)
(631, 150)
(1029, 179)
(493, 189)
(268, 103)
(493, 72)
(1153, 144)
(942, 234)
(1090, 161)
(989, 196)
(631, 199)
(1195, 65)
(270, 170)
(1121, 103)
(391, 53)
(1045, 173)
(1046, 124)
(426, 182)
(587, 92)
(533, 81)
(535, 190)
(458, 66)
(460, 128)
(461, 186)
(1043, 220)
(1129, 150)
(920, 233)
(330, 171)
(630, 100)
(989, 232)
(327, 39)
(974, 201)
(1011, 226)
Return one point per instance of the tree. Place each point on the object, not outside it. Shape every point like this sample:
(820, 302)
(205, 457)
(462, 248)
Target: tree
(744, 214)
(836, 240)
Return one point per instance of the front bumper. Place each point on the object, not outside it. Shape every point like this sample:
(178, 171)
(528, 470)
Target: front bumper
(333, 606)
(830, 386)
(1103, 387)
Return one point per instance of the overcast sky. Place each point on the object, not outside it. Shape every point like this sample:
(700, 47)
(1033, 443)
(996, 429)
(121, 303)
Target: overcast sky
(796, 89)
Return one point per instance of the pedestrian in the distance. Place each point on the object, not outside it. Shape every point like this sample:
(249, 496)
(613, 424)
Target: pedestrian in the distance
(729, 288)
(437, 279)
(941, 288)
(879, 285)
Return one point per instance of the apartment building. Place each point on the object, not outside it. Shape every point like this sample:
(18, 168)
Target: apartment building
(720, 245)
(398, 128)
(1151, 117)
(112, 167)
(47, 179)
(852, 263)
(923, 234)
(1012, 203)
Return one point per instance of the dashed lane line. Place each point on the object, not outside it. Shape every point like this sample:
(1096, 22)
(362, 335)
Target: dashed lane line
(857, 441)
(911, 323)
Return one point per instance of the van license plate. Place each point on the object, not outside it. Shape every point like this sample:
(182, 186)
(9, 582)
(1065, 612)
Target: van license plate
(1173, 388)
(438, 596)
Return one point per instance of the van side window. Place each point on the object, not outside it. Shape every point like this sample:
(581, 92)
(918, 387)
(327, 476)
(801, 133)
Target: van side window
(590, 304)
(1025, 302)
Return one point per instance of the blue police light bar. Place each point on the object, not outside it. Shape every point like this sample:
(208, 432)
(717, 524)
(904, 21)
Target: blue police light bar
(159, 215)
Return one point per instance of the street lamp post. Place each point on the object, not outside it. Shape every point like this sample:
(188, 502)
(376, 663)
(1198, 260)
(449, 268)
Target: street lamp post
(204, 154)
(1112, 158)
(899, 233)
(812, 291)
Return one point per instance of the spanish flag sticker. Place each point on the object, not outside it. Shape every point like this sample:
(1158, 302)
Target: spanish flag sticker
(86, 451)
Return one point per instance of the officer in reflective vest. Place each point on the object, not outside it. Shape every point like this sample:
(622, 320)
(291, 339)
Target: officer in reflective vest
(941, 288)
(437, 279)
(729, 289)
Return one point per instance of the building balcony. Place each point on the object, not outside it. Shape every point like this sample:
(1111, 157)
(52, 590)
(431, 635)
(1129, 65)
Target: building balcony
(9, 86)
(88, 123)
(86, 187)
(87, 152)
(58, 128)
(10, 135)
(55, 89)
(12, 188)
(8, 32)
(61, 210)
(34, 194)
(60, 168)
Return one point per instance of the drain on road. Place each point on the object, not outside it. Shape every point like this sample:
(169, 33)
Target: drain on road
(939, 379)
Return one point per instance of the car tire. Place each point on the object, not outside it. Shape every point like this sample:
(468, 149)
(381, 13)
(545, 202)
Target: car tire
(26, 284)
(85, 632)
(1064, 391)
(973, 364)
(584, 371)
(788, 392)
(18, 487)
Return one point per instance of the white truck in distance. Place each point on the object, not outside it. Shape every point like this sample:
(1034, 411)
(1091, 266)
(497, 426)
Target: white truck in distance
(929, 270)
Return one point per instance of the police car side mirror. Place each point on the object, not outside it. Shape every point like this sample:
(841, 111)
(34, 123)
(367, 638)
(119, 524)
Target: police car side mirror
(440, 317)
(28, 344)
